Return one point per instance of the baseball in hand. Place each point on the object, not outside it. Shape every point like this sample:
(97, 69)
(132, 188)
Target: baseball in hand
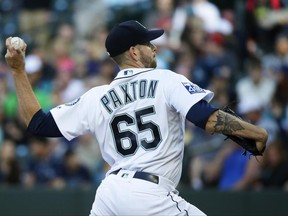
(17, 43)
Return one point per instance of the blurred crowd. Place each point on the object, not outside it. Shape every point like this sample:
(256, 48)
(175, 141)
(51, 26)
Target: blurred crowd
(237, 49)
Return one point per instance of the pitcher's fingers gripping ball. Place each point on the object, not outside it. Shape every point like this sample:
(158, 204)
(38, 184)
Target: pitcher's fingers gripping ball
(17, 43)
(15, 55)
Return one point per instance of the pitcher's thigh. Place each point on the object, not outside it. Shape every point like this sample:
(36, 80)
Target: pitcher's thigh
(151, 199)
(176, 205)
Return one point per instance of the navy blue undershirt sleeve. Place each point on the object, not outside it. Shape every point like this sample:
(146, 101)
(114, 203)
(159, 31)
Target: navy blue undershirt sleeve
(43, 124)
(199, 113)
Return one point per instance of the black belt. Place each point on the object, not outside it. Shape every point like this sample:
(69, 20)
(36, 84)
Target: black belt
(141, 175)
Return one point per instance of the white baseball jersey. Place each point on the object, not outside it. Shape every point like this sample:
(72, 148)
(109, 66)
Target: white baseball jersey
(138, 119)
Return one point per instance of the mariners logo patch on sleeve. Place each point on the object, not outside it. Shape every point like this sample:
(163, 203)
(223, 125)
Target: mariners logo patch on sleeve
(192, 89)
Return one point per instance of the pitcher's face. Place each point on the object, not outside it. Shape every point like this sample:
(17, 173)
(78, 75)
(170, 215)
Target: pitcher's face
(148, 55)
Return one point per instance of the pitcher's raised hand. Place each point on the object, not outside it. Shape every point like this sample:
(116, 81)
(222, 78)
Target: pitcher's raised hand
(15, 56)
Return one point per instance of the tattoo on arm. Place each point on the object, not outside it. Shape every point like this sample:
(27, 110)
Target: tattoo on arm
(226, 123)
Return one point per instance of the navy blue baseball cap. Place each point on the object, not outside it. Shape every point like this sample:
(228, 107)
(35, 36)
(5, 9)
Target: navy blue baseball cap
(127, 34)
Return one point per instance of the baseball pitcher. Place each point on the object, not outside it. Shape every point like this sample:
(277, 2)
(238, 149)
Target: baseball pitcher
(138, 120)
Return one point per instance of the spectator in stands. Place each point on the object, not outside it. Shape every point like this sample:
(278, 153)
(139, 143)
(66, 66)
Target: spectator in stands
(94, 51)
(228, 170)
(161, 15)
(255, 84)
(221, 85)
(73, 172)
(282, 85)
(14, 129)
(185, 62)
(210, 14)
(194, 36)
(43, 169)
(64, 48)
(275, 167)
(35, 19)
(264, 20)
(66, 86)
(90, 16)
(252, 110)
(10, 170)
(279, 104)
(213, 56)
(273, 61)
(105, 74)
(88, 151)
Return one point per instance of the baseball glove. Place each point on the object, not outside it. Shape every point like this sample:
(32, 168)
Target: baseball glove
(247, 144)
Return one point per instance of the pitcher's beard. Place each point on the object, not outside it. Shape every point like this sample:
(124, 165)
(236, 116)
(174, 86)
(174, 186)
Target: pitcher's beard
(153, 64)
(148, 61)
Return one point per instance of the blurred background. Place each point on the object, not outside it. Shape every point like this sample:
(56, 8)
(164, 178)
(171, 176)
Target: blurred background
(238, 49)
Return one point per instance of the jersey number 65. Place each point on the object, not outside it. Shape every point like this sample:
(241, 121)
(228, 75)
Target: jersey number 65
(121, 136)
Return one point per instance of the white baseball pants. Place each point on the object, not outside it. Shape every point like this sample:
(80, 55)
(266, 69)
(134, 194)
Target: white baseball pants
(124, 195)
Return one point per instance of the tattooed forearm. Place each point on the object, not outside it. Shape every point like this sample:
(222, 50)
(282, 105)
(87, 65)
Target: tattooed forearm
(226, 124)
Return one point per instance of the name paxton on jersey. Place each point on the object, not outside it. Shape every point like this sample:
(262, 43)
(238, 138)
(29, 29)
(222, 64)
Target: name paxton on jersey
(128, 93)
